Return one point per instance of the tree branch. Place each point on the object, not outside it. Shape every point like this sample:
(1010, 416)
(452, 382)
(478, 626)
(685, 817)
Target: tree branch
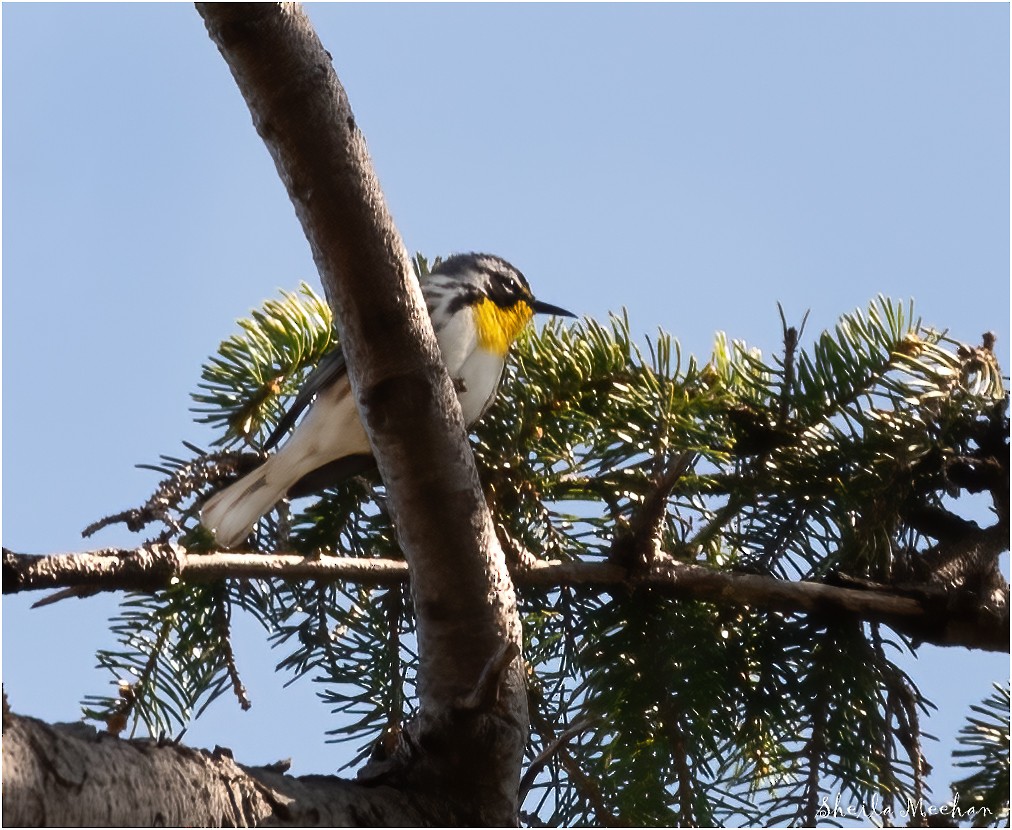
(463, 596)
(539, 763)
(926, 615)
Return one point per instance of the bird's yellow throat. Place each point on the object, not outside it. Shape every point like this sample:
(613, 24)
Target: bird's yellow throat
(498, 327)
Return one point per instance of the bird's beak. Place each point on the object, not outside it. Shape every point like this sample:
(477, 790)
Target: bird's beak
(546, 308)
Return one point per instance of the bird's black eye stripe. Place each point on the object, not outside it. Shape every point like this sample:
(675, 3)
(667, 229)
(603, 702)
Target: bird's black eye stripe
(505, 290)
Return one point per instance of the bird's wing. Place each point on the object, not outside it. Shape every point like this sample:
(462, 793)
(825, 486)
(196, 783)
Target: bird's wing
(328, 370)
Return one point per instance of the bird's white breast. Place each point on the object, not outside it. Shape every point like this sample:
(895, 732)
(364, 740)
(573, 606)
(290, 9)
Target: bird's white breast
(480, 374)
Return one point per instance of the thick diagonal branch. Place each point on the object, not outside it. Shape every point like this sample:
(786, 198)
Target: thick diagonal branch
(463, 595)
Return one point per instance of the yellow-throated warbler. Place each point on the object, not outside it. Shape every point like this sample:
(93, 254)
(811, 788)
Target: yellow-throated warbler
(478, 304)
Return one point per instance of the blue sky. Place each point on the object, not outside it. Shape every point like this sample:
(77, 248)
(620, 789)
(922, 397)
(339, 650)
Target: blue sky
(692, 163)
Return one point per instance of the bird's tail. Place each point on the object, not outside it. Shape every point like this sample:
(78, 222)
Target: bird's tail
(231, 514)
(330, 431)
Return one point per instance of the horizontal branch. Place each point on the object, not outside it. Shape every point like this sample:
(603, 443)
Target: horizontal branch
(926, 617)
(155, 566)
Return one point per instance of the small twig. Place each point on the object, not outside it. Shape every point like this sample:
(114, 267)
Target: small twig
(717, 523)
(590, 790)
(485, 693)
(586, 786)
(185, 480)
(680, 756)
(78, 592)
(546, 755)
(517, 555)
(814, 755)
(138, 686)
(393, 604)
(223, 624)
(901, 704)
(792, 337)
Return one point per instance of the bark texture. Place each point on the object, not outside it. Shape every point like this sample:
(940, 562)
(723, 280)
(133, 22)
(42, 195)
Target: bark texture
(71, 775)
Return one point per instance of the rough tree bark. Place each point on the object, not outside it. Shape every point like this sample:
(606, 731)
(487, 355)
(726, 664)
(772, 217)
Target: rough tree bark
(459, 761)
(71, 775)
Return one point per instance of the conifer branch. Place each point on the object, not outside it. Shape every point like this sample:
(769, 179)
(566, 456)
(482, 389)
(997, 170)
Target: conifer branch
(923, 613)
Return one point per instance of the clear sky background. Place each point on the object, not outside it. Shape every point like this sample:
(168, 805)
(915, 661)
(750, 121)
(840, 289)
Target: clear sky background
(693, 163)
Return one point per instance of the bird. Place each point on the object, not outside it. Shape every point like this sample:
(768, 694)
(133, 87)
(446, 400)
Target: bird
(478, 304)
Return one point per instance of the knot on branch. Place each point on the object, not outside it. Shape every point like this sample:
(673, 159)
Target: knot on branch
(637, 544)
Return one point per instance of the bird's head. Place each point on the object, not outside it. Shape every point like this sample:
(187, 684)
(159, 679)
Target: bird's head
(498, 295)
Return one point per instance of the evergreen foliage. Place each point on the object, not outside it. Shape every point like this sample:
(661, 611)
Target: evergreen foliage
(985, 742)
(818, 463)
